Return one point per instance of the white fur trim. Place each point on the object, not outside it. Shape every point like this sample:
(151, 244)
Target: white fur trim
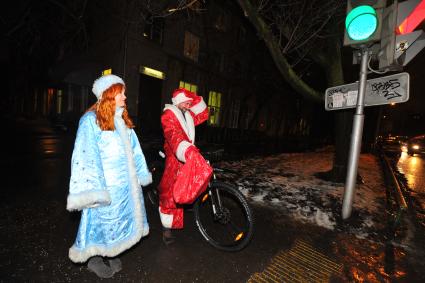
(103, 83)
(179, 98)
(88, 199)
(166, 219)
(146, 180)
(198, 107)
(77, 255)
(190, 126)
(186, 122)
(181, 150)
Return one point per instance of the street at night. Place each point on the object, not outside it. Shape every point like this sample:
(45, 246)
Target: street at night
(37, 230)
(213, 141)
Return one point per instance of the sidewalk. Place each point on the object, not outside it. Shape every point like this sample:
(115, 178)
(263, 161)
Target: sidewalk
(363, 244)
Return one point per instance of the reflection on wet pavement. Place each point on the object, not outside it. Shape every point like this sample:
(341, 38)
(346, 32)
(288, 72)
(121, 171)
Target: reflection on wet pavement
(413, 168)
(374, 264)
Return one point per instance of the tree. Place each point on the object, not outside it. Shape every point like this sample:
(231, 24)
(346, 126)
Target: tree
(300, 33)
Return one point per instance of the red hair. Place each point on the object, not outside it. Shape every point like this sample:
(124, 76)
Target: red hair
(105, 109)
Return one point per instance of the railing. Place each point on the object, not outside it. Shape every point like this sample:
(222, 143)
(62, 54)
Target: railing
(392, 180)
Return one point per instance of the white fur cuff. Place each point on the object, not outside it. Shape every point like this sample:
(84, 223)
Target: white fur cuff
(145, 180)
(88, 199)
(181, 150)
(199, 107)
(166, 219)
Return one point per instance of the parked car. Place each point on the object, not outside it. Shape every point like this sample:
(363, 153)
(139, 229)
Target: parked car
(391, 144)
(416, 145)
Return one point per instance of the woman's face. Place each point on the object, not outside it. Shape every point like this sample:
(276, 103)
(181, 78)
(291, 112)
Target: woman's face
(120, 99)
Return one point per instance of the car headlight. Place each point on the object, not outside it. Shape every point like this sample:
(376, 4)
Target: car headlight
(415, 146)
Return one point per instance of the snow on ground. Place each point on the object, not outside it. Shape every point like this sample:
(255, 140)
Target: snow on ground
(287, 181)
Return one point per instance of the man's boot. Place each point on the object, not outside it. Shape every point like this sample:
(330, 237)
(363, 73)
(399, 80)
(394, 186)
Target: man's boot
(97, 265)
(167, 236)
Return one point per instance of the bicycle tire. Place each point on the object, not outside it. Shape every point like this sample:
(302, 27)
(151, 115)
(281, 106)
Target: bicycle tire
(223, 233)
(151, 191)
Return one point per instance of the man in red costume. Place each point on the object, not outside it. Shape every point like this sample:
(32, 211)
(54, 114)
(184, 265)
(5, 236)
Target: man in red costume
(186, 173)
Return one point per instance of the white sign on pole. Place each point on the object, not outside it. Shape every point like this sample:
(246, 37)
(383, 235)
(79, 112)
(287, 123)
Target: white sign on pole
(379, 91)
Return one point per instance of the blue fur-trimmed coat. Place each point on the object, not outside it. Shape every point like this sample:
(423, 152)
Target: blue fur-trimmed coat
(107, 172)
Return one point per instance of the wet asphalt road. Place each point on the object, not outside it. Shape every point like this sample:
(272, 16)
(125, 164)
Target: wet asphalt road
(413, 168)
(36, 230)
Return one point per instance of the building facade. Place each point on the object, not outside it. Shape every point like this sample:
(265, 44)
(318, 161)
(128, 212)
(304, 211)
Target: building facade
(215, 53)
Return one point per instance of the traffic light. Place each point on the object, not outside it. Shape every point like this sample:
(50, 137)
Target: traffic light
(400, 43)
(363, 22)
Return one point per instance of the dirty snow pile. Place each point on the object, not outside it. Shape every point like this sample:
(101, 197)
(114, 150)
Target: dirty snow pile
(287, 181)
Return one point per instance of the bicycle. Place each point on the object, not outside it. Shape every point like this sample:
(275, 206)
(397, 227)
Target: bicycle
(222, 214)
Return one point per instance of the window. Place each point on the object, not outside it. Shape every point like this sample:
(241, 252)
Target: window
(59, 97)
(188, 86)
(191, 46)
(234, 114)
(214, 105)
(248, 116)
(49, 101)
(154, 28)
(84, 98)
(106, 72)
(70, 100)
(222, 21)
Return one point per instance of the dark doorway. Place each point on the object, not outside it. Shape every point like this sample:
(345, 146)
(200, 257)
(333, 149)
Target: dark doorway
(149, 105)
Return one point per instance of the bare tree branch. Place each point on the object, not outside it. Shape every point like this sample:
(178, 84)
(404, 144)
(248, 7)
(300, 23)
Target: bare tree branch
(281, 62)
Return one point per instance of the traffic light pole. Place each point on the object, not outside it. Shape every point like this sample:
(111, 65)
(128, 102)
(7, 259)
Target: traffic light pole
(356, 138)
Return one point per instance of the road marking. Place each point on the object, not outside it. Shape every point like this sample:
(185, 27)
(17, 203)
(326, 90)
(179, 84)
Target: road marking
(302, 263)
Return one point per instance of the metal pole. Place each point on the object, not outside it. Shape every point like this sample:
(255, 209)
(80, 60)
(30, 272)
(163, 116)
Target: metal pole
(356, 139)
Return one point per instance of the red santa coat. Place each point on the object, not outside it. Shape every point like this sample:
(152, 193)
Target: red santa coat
(186, 172)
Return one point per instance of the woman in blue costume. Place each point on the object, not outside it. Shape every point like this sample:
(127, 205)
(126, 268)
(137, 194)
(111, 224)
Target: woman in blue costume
(107, 172)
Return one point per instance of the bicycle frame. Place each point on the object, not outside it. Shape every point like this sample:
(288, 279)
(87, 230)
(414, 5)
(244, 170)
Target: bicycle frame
(214, 203)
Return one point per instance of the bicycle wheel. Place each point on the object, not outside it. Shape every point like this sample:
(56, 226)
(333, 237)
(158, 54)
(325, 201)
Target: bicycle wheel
(229, 226)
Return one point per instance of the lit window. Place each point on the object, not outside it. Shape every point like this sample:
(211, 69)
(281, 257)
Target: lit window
(188, 86)
(106, 72)
(214, 105)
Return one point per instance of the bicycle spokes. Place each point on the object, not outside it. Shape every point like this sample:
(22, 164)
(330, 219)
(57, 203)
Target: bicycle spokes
(224, 218)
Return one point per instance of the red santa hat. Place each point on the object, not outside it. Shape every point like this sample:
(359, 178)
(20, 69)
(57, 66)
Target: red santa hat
(181, 95)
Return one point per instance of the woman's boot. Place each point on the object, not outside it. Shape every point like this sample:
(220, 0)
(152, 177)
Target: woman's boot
(115, 264)
(97, 265)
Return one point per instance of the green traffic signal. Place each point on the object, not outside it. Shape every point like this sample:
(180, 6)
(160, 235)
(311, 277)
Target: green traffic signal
(361, 22)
